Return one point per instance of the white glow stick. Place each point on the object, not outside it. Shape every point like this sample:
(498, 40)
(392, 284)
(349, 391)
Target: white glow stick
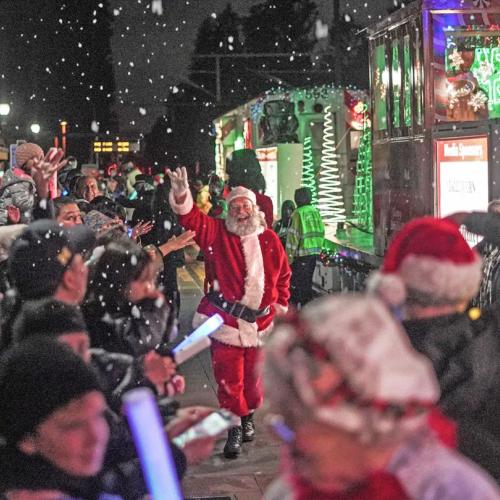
(192, 350)
(154, 452)
(204, 330)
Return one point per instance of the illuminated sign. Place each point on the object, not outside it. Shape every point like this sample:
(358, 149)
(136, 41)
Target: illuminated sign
(462, 177)
(115, 146)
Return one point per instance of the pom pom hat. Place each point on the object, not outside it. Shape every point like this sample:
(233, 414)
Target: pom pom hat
(428, 261)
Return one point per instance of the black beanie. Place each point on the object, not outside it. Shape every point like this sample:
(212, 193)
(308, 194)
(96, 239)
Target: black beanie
(37, 377)
(48, 317)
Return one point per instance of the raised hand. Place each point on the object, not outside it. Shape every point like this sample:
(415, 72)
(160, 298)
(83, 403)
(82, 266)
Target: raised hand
(141, 228)
(43, 170)
(178, 242)
(179, 181)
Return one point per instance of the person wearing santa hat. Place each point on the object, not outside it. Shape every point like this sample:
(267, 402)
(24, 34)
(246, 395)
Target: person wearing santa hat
(250, 285)
(351, 402)
(430, 274)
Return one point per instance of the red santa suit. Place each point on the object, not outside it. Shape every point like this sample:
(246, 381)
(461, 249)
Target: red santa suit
(251, 270)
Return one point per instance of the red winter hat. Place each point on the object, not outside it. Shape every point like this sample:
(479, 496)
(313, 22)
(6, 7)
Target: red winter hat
(428, 259)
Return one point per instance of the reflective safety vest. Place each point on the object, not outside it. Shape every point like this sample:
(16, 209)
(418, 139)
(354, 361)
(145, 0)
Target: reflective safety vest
(305, 233)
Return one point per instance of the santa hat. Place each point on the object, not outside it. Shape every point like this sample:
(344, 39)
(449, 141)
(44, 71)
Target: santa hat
(349, 363)
(430, 259)
(241, 192)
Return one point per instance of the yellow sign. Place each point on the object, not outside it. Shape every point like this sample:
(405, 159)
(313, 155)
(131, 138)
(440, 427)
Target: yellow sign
(115, 146)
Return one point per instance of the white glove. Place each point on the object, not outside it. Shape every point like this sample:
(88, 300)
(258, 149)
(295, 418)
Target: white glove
(179, 181)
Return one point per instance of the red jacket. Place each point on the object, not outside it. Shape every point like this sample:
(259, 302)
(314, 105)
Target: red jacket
(252, 270)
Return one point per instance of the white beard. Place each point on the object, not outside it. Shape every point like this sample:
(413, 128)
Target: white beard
(250, 226)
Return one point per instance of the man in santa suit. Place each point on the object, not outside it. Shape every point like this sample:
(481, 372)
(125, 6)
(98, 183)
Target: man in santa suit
(251, 285)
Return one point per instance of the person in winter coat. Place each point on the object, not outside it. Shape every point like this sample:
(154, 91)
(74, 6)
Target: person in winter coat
(118, 373)
(24, 190)
(304, 242)
(281, 226)
(216, 190)
(45, 261)
(429, 276)
(489, 249)
(132, 315)
(55, 435)
(351, 401)
(250, 284)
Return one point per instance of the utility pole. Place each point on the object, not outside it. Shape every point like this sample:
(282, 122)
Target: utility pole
(337, 66)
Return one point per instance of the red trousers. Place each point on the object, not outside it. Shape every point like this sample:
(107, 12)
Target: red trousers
(235, 370)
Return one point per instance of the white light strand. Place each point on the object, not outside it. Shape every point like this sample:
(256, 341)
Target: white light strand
(331, 203)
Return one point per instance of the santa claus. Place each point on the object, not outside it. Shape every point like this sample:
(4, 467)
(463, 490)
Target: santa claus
(250, 284)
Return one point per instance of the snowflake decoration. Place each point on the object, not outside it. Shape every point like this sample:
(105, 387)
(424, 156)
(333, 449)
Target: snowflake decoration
(478, 101)
(482, 4)
(485, 71)
(456, 59)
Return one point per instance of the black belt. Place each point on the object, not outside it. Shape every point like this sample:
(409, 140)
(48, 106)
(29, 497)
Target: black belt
(236, 309)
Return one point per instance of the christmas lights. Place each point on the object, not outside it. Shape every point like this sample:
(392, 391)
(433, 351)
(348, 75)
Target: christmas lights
(331, 203)
(308, 174)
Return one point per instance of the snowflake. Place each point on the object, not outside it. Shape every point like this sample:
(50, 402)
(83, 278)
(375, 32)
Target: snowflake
(456, 59)
(478, 101)
(485, 71)
(157, 7)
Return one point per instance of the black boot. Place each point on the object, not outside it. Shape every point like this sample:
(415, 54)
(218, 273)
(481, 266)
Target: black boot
(233, 444)
(248, 427)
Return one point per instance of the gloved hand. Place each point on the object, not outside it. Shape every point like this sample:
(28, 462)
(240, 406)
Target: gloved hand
(179, 181)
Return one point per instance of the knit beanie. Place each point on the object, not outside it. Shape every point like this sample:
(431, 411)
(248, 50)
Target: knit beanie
(42, 253)
(241, 192)
(428, 261)
(37, 377)
(346, 361)
(48, 317)
(27, 151)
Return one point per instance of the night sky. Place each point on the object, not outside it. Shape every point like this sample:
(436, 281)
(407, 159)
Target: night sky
(151, 52)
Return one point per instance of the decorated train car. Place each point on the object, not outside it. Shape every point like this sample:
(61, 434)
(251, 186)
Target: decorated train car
(288, 129)
(435, 109)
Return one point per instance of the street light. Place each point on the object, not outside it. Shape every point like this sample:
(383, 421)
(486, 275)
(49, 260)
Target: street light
(35, 128)
(4, 109)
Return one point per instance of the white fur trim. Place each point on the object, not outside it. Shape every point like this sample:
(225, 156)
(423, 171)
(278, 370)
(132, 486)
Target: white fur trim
(254, 263)
(443, 280)
(241, 192)
(389, 287)
(181, 208)
(279, 309)
(237, 337)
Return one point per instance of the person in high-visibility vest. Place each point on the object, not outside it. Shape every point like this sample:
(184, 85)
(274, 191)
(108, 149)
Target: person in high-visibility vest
(303, 245)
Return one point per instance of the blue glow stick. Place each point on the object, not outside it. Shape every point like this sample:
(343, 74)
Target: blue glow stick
(204, 330)
(154, 452)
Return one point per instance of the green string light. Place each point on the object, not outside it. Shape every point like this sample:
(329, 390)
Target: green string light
(363, 192)
(308, 174)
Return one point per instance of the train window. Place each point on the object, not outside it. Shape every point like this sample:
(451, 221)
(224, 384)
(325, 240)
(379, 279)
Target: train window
(408, 79)
(396, 84)
(380, 88)
(418, 78)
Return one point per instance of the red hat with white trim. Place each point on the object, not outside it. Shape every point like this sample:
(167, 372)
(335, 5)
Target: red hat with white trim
(241, 192)
(428, 262)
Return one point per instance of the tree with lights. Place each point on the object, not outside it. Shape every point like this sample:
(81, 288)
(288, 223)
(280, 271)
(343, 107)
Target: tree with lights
(331, 201)
(363, 191)
(308, 173)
